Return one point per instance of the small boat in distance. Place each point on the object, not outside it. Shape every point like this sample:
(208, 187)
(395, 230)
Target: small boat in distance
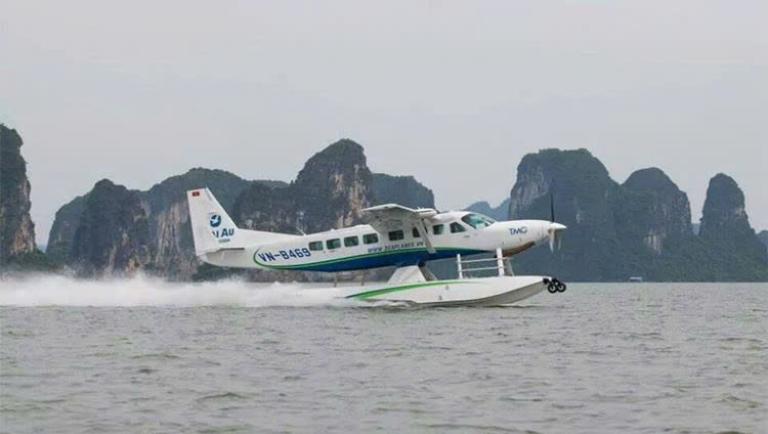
(636, 279)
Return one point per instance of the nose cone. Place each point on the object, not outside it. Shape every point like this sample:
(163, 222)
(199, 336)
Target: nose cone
(557, 227)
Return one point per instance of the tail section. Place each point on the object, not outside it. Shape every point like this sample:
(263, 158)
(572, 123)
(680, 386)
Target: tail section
(214, 230)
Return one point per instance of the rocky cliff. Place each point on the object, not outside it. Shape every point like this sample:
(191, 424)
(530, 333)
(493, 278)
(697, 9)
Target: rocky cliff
(329, 192)
(334, 185)
(112, 236)
(639, 228)
(17, 232)
(271, 209)
(159, 241)
(652, 211)
(63, 230)
(151, 230)
(170, 232)
(403, 190)
(153, 226)
(583, 194)
(763, 235)
(654, 231)
(737, 252)
(724, 214)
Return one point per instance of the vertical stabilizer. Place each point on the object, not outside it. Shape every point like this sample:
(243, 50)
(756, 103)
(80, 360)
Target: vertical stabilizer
(212, 228)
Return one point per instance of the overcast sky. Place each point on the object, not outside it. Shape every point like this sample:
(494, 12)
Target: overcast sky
(454, 93)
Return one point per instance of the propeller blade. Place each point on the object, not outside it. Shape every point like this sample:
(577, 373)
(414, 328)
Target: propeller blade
(552, 236)
(552, 207)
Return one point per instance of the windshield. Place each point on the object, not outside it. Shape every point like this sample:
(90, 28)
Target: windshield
(477, 221)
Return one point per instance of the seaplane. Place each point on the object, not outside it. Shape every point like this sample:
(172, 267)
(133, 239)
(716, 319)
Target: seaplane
(393, 236)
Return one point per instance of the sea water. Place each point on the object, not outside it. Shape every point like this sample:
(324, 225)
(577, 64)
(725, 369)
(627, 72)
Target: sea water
(146, 356)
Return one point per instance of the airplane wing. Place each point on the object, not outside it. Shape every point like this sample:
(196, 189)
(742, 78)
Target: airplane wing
(392, 216)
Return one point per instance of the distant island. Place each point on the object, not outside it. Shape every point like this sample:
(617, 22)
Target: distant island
(641, 227)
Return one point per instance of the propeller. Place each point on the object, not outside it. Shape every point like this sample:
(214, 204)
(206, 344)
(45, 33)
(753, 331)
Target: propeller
(552, 207)
(554, 235)
(554, 228)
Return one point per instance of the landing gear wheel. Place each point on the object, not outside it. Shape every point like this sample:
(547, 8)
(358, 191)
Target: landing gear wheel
(561, 287)
(555, 285)
(551, 285)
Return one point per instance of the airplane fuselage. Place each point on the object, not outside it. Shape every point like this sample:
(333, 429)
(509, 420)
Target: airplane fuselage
(363, 247)
(397, 236)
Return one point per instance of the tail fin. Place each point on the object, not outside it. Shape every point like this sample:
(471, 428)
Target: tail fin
(212, 228)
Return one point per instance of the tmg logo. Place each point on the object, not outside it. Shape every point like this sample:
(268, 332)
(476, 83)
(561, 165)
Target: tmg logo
(518, 231)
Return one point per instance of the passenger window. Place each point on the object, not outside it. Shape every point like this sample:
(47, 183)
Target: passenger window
(437, 229)
(370, 238)
(333, 244)
(351, 241)
(316, 245)
(415, 233)
(396, 235)
(457, 227)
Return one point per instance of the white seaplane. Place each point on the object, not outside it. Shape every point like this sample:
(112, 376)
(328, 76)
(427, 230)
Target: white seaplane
(395, 236)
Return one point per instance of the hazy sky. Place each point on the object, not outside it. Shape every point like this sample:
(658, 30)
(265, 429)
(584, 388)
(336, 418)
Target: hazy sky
(454, 93)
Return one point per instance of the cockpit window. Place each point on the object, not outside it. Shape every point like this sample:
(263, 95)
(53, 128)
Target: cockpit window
(477, 221)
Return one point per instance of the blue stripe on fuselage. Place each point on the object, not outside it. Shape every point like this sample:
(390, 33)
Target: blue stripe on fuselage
(395, 259)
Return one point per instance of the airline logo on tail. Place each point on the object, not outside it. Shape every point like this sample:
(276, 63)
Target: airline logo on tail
(221, 234)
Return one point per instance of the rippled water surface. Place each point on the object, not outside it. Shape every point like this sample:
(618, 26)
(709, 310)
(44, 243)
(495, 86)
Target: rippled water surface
(230, 358)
